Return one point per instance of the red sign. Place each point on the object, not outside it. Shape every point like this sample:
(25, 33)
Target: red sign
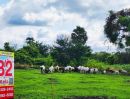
(7, 92)
(6, 75)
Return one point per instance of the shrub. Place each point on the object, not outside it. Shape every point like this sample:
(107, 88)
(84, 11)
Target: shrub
(48, 61)
(38, 61)
(22, 58)
(96, 64)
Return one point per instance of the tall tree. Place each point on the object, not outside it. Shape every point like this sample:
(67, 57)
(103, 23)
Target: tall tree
(117, 28)
(79, 49)
(43, 48)
(36, 48)
(60, 50)
(79, 36)
(30, 40)
(7, 47)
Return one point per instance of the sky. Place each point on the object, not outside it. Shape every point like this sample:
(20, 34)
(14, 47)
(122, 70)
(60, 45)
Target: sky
(46, 19)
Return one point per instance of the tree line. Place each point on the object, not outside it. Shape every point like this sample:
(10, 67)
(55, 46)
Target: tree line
(67, 50)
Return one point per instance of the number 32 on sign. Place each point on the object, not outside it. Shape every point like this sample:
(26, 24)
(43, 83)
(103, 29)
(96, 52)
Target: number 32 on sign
(6, 75)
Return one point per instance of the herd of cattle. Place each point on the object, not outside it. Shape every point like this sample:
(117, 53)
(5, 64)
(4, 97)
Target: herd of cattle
(80, 69)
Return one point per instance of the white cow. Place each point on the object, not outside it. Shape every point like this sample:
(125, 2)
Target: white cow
(86, 69)
(116, 72)
(95, 70)
(91, 70)
(83, 69)
(51, 69)
(69, 68)
(123, 71)
(42, 69)
(104, 72)
(57, 68)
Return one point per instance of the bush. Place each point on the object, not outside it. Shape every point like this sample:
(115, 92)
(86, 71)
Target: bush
(48, 61)
(22, 58)
(38, 61)
(96, 64)
(101, 65)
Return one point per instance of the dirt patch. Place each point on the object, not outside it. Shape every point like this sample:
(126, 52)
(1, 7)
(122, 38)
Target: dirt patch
(91, 77)
(53, 81)
(91, 82)
(90, 97)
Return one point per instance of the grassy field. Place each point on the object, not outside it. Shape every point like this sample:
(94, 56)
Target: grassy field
(30, 84)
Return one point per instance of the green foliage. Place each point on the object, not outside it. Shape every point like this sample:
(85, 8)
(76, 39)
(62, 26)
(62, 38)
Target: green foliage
(79, 49)
(95, 63)
(35, 49)
(72, 63)
(7, 47)
(79, 36)
(129, 27)
(47, 61)
(22, 58)
(101, 56)
(112, 58)
(31, 50)
(60, 52)
(124, 20)
(127, 41)
(71, 51)
(117, 28)
(122, 66)
(123, 58)
(43, 49)
(38, 61)
(30, 40)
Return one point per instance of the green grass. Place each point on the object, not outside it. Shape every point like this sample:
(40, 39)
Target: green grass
(30, 84)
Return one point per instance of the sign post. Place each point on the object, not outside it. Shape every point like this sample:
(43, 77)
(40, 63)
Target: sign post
(6, 75)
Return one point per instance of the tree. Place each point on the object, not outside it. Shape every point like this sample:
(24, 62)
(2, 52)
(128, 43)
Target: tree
(35, 48)
(117, 28)
(30, 40)
(22, 57)
(43, 49)
(33, 52)
(60, 50)
(79, 49)
(101, 56)
(7, 47)
(79, 36)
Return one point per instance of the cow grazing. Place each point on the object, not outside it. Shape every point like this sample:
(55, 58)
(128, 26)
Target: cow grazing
(42, 69)
(56, 68)
(62, 69)
(122, 71)
(69, 68)
(51, 69)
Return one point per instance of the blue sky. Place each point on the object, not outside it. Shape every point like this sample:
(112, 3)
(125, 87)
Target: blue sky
(45, 19)
(2, 2)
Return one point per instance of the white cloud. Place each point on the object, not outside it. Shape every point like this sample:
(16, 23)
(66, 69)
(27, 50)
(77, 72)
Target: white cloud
(19, 19)
(96, 38)
(1, 11)
(17, 35)
(53, 16)
(49, 15)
